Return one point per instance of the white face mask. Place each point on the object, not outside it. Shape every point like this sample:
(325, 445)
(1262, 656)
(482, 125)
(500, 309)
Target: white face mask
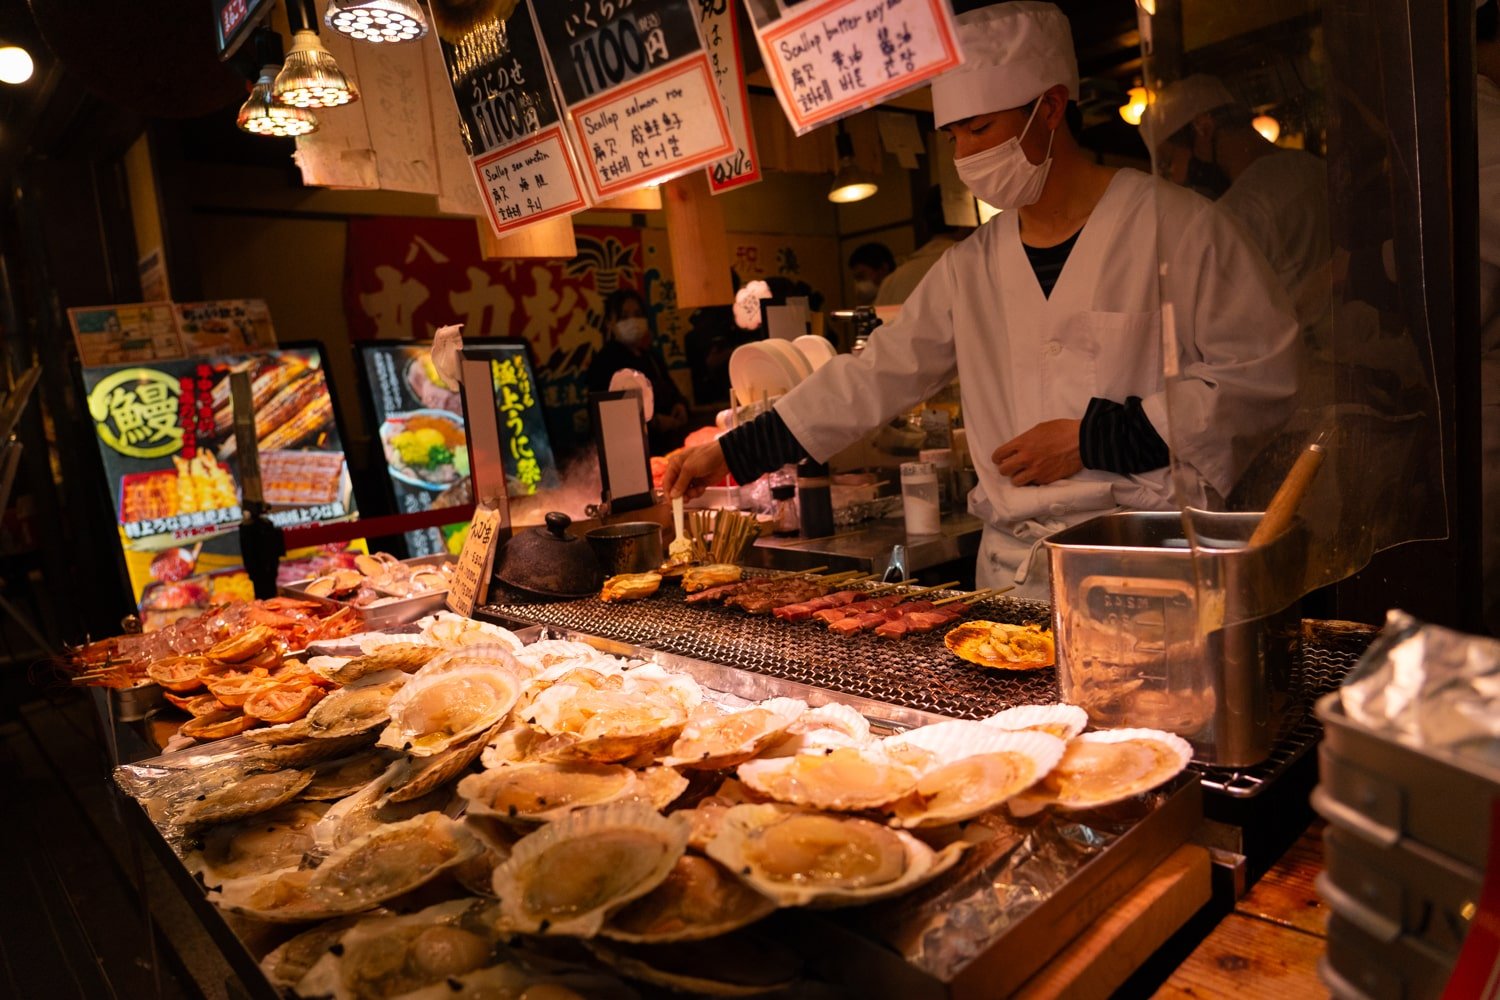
(632, 330)
(865, 291)
(1002, 176)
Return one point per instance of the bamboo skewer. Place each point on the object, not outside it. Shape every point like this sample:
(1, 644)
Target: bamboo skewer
(977, 595)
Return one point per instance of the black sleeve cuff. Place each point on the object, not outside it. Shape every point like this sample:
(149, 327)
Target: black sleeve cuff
(761, 446)
(1119, 438)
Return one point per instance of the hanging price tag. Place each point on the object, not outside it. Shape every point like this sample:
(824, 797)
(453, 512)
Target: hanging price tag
(638, 85)
(829, 58)
(510, 119)
(471, 577)
(721, 35)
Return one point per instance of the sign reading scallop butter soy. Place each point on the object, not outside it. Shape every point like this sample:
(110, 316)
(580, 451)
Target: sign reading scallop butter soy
(471, 576)
(637, 82)
(721, 35)
(828, 58)
(511, 123)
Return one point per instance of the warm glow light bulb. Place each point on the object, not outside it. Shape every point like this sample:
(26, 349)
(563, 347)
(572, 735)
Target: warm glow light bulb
(852, 192)
(1268, 127)
(1134, 107)
(1149, 6)
(16, 65)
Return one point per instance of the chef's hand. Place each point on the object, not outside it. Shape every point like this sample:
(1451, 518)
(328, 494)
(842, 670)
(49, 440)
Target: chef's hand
(690, 471)
(1046, 453)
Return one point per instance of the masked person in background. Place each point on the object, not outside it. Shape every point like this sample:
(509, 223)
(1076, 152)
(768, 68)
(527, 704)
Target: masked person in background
(870, 264)
(627, 345)
(1053, 313)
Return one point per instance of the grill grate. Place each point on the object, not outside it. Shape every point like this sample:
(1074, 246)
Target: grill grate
(917, 672)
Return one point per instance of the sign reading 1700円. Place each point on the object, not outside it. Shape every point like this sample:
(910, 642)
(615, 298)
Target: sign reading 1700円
(638, 84)
(509, 117)
(828, 58)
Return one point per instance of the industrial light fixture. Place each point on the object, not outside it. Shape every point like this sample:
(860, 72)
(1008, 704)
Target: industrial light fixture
(1134, 108)
(377, 20)
(259, 115)
(16, 65)
(310, 78)
(1268, 127)
(850, 183)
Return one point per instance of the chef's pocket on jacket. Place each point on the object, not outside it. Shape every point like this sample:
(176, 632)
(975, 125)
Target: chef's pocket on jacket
(1127, 352)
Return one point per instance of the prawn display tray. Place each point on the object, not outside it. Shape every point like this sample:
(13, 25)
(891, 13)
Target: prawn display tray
(390, 612)
(1065, 868)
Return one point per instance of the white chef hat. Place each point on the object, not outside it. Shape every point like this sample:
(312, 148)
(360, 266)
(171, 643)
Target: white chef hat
(1012, 53)
(1175, 106)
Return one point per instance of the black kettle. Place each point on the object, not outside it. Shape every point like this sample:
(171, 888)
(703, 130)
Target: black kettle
(549, 561)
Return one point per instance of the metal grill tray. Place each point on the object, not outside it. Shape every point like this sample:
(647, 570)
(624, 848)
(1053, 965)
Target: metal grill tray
(918, 672)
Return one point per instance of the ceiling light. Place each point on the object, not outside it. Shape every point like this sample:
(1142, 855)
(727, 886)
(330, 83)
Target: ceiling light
(16, 65)
(377, 20)
(1149, 6)
(1268, 127)
(310, 78)
(259, 116)
(850, 183)
(1134, 107)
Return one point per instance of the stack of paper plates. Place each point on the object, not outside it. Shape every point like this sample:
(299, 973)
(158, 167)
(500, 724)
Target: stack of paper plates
(762, 369)
(817, 350)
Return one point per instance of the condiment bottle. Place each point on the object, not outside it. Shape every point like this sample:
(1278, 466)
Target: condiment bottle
(942, 467)
(814, 499)
(919, 497)
(784, 520)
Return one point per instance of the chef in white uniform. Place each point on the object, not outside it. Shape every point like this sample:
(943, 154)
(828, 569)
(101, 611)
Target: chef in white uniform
(1064, 388)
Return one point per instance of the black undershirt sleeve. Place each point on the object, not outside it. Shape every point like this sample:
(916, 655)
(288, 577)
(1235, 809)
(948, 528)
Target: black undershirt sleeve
(761, 446)
(1119, 438)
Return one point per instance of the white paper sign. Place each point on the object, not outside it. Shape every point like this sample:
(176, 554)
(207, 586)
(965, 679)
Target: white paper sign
(831, 57)
(639, 88)
(721, 35)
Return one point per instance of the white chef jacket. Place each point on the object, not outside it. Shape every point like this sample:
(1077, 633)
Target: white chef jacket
(1282, 201)
(1026, 358)
(1489, 337)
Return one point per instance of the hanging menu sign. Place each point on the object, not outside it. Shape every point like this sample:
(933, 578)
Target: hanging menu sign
(832, 57)
(721, 36)
(636, 79)
(509, 117)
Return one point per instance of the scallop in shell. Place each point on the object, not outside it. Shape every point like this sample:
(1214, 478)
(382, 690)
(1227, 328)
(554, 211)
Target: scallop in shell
(306, 752)
(516, 743)
(546, 653)
(1002, 646)
(841, 778)
(271, 841)
(719, 740)
(616, 725)
(1111, 765)
(434, 713)
(427, 774)
(356, 815)
(289, 962)
(969, 785)
(343, 778)
(478, 656)
(390, 956)
(247, 796)
(288, 732)
(452, 631)
(525, 982)
(801, 858)
(1062, 721)
(358, 708)
(568, 877)
(407, 657)
(537, 793)
(698, 900)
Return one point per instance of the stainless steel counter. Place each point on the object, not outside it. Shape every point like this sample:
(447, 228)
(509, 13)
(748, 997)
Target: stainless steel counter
(876, 547)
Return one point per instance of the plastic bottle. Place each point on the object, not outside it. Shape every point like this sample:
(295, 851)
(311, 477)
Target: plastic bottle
(919, 497)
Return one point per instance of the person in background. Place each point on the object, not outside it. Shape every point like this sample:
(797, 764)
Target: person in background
(1201, 137)
(1488, 57)
(1053, 312)
(870, 263)
(627, 344)
(937, 237)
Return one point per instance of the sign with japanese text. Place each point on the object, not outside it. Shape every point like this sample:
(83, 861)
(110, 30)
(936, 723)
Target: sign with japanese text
(828, 58)
(510, 122)
(166, 438)
(114, 335)
(721, 35)
(419, 416)
(636, 79)
(471, 577)
(525, 448)
(230, 326)
(233, 20)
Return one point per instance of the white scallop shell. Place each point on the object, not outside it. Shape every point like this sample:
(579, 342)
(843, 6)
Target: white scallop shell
(453, 631)
(699, 899)
(966, 785)
(607, 783)
(477, 656)
(840, 778)
(630, 844)
(369, 642)
(956, 739)
(734, 848)
(708, 742)
(838, 717)
(434, 712)
(1177, 751)
(1063, 721)
(547, 653)
(387, 937)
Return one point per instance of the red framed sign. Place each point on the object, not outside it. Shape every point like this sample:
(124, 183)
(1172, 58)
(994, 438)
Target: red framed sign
(533, 180)
(833, 57)
(721, 36)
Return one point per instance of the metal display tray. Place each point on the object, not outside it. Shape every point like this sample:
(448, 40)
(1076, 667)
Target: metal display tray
(1063, 870)
(379, 616)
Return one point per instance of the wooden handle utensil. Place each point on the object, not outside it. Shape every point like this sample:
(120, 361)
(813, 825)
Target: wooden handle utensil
(1283, 506)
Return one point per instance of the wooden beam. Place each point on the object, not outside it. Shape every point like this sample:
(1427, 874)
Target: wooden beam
(550, 238)
(699, 243)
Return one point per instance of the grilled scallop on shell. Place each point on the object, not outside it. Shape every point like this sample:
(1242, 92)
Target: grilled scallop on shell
(1112, 765)
(838, 777)
(698, 900)
(569, 876)
(359, 708)
(271, 841)
(246, 796)
(713, 740)
(433, 713)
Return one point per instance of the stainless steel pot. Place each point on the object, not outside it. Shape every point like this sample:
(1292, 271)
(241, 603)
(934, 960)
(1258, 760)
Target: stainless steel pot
(632, 547)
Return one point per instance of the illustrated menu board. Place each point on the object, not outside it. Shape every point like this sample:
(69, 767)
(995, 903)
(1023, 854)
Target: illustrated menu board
(166, 438)
(166, 331)
(420, 421)
(721, 36)
(828, 58)
(639, 87)
(227, 326)
(511, 124)
(509, 422)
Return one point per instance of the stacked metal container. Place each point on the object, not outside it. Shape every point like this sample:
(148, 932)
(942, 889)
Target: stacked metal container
(1405, 854)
